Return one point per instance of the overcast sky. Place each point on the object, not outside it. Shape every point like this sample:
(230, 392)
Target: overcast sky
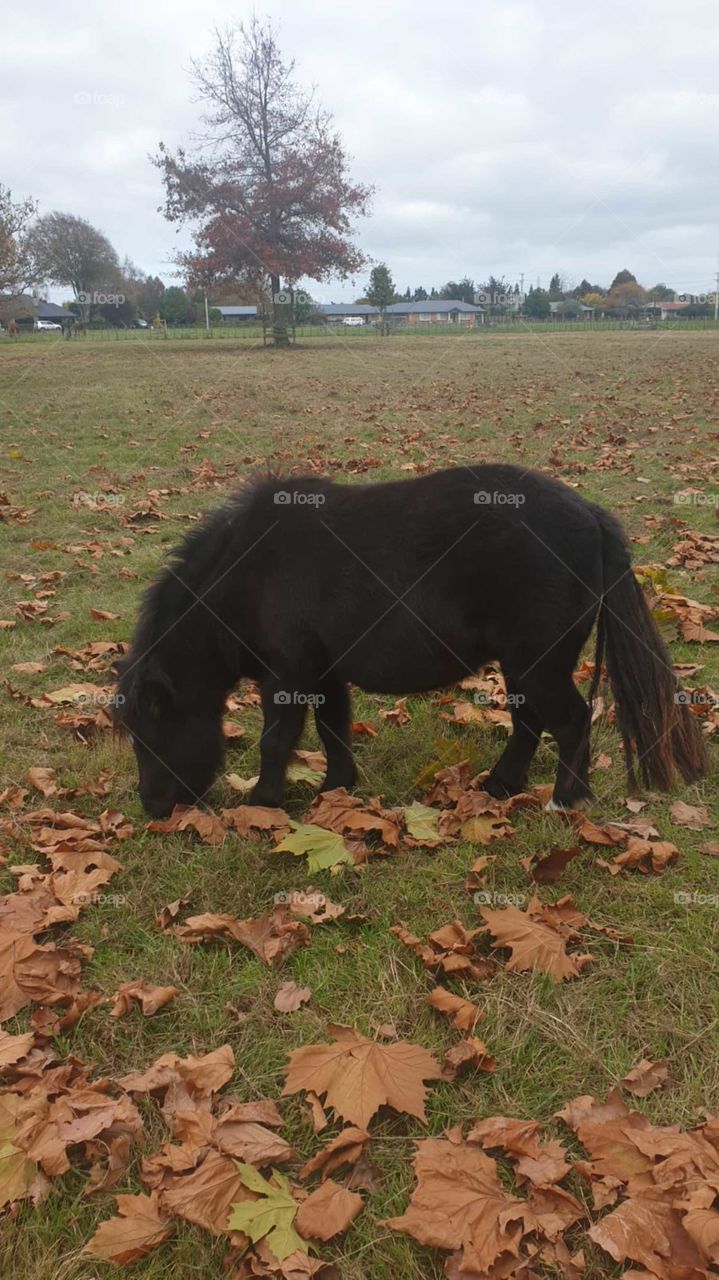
(502, 136)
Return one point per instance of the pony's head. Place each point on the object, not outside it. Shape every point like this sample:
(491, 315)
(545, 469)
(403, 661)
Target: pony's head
(183, 661)
(174, 722)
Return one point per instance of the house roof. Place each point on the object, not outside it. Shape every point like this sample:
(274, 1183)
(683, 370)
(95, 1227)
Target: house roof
(236, 311)
(432, 306)
(349, 309)
(51, 311)
(554, 306)
(671, 306)
(26, 305)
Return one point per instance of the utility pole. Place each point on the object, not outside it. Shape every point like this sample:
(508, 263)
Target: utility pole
(207, 316)
(716, 297)
(521, 284)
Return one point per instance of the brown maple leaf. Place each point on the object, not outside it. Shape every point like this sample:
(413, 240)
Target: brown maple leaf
(149, 997)
(645, 1078)
(272, 937)
(534, 940)
(138, 1227)
(463, 1014)
(328, 1211)
(359, 1075)
(459, 1201)
(346, 1148)
(205, 824)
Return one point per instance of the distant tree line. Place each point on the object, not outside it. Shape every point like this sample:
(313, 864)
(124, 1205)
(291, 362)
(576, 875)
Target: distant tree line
(63, 249)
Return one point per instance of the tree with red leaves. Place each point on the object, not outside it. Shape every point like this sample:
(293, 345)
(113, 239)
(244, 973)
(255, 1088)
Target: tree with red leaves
(268, 185)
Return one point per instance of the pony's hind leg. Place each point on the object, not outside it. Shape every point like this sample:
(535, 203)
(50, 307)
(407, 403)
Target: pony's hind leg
(509, 775)
(568, 718)
(333, 721)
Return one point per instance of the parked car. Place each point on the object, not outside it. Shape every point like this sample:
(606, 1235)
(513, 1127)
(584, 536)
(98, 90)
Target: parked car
(353, 321)
(48, 326)
(141, 324)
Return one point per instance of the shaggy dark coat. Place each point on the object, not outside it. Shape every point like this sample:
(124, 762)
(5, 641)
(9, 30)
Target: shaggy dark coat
(308, 586)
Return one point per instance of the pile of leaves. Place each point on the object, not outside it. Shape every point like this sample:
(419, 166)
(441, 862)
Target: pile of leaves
(80, 867)
(658, 1183)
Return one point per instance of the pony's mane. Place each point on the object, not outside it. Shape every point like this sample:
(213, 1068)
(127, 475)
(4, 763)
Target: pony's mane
(192, 566)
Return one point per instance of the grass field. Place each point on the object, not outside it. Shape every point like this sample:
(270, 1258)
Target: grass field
(630, 419)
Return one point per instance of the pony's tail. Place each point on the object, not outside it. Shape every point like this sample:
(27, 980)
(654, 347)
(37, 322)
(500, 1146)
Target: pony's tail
(658, 730)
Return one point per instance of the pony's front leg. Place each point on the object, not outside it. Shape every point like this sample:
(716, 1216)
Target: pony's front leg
(284, 717)
(333, 719)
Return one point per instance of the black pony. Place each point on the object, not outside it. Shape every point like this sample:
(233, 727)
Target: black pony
(307, 586)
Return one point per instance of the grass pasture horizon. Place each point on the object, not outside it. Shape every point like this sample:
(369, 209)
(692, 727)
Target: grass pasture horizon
(108, 452)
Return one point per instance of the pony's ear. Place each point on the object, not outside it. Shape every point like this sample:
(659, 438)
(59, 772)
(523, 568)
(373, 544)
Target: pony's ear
(158, 691)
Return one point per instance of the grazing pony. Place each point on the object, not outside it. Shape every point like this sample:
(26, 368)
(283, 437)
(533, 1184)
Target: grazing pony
(308, 586)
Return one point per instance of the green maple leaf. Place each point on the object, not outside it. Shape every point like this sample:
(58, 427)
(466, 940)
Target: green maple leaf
(16, 1172)
(298, 771)
(271, 1217)
(323, 848)
(422, 822)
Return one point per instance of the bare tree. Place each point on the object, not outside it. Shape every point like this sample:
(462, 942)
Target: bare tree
(70, 251)
(17, 268)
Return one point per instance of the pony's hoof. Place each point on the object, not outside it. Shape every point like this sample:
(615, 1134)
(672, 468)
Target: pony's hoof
(551, 806)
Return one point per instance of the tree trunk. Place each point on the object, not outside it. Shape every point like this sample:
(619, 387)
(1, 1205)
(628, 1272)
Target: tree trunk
(281, 310)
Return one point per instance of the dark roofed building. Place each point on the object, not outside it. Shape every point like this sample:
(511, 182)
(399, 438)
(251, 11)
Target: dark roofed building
(26, 310)
(236, 313)
(354, 310)
(436, 311)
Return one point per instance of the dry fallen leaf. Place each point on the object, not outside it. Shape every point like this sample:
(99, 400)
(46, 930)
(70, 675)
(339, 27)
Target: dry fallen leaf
(693, 816)
(150, 998)
(647, 856)
(468, 1053)
(42, 779)
(137, 1229)
(459, 1202)
(536, 939)
(272, 937)
(206, 1194)
(347, 1148)
(205, 824)
(328, 1211)
(547, 869)
(290, 996)
(463, 1014)
(359, 1075)
(645, 1078)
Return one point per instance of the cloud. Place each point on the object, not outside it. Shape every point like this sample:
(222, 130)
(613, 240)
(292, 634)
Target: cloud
(502, 136)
